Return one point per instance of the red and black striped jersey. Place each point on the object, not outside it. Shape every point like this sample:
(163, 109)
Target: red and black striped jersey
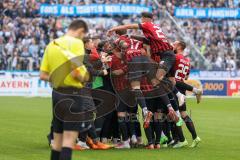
(182, 67)
(146, 86)
(134, 47)
(119, 82)
(157, 39)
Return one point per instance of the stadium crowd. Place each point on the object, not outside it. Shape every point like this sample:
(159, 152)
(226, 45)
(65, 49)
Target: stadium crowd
(24, 33)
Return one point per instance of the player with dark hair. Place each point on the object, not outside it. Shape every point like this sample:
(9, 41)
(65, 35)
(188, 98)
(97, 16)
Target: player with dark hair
(160, 47)
(182, 68)
(76, 24)
(120, 84)
(153, 133)
(182, 72)
(121, 87)
(160, 122)
(109, 127)
(158, 42)
(138, 63)
(58, 64)
(94, 65)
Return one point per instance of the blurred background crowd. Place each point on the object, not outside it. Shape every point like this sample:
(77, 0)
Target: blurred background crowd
(24, 33)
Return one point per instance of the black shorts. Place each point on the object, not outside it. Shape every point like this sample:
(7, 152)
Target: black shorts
(184, 106)
(141, 66)
(122, 107)
(174, 101)
(168, 62)
(182, 90)
(183, 87)
(127, 102)
(133, 110)
(155, 105)
(73, 109)
(127, 96)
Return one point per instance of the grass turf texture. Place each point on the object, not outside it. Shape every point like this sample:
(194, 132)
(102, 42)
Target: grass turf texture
(24, 123)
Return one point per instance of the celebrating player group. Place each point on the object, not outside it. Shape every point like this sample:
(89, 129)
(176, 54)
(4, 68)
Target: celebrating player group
(108, 80)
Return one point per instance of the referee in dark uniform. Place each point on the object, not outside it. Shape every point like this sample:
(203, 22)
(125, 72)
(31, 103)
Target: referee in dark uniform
(62, 66)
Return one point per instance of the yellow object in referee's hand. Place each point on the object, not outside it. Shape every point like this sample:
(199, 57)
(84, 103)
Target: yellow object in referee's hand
(82, 73)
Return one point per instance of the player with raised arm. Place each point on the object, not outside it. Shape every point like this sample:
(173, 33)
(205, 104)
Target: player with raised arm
(182, 67)
(158, 42)
(159, 47)
(134, 55)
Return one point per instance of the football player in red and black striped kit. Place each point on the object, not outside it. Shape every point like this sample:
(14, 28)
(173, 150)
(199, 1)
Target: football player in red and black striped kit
(159, 122)
(138, 63)
(120, 83)
(158, 42)
(153, 133)
(182, 67)
(160, 47)
(126, 105)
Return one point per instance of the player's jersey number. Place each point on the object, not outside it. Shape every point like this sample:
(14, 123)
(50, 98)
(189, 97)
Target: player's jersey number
(182, 71)
(159, 32)
(134, 44)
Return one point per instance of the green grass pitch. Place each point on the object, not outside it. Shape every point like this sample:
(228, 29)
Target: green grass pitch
(24, 123)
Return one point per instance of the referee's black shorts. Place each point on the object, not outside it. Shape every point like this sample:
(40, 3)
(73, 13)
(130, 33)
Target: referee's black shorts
(73, 109)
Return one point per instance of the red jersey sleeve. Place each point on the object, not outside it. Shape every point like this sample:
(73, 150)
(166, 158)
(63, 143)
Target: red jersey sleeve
(144, 26)
(157, 39)
(94, 55)
(119, 82)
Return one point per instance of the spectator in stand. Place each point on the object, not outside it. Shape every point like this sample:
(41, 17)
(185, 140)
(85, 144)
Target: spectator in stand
(21, 27)
(15, 61)
(33, 47)
(26, 59)
(9, 47)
